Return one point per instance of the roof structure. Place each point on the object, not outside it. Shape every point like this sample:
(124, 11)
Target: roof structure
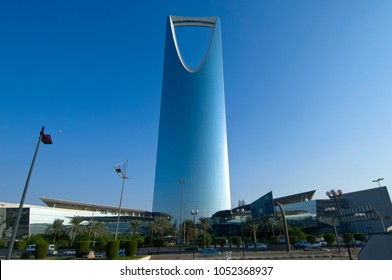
(66, 204)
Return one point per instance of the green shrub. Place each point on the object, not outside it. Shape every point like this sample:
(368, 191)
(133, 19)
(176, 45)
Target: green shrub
(360, 236)
(274, 240)
(139, 239)
(235, 240)
(19, 245)
(130, 248)
(112, 248)
(221, 241)
(41, 250)
(158, 242)
(81, 248)
(3, 244)
(329, 238)
(293, 239)
(25, 255)
(311, 238)
(100, 245)
(348, 237)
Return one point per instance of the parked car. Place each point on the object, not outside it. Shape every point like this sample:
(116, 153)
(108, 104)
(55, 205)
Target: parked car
(191, 248)
(316, 244)
(301, 243)
(356, 243)
(30, 248)
(258, 246)
(70, 252)
(210, 251)
(52, 250)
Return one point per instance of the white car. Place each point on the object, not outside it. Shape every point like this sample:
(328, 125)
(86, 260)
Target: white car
(52, 250)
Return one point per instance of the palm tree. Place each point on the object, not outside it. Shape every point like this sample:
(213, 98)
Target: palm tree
(188, 226)
(134, 226)
(76, 227)
(205, 225)
(98, 229)
(160, 226)
(56, 229)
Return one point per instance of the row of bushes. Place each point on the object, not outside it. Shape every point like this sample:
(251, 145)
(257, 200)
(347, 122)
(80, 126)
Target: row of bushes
(112, 248)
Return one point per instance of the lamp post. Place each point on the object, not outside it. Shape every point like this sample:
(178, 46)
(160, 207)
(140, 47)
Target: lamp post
(285, 227)
(194, 213)
(46, 139)
(383, 198)
(241, 211)
(182, 182)
(122, 174)
(330, 209)
(334, 194)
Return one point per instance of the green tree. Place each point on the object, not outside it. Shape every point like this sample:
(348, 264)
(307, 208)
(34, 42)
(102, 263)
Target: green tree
(135, 226)
(189, 229)
(329, 238)
(296, 231)
(97, 229)
(76, 227)
(205, 224)
(160, 226)
(56, 229)
(311, 238)
(360, 236)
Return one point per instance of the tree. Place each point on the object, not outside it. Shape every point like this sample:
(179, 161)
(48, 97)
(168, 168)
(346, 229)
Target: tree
(97, 228)
(188, 226)
(205, 224)
(56, 229)
(134, 226)
(329, 238)
(160, 226)
(76, 227)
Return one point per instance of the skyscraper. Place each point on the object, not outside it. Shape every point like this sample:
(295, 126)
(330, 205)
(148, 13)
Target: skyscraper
(192, 169)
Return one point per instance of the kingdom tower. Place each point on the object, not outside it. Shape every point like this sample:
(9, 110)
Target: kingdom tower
(192, 140)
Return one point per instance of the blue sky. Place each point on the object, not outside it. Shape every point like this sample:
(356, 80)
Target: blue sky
(308, 95)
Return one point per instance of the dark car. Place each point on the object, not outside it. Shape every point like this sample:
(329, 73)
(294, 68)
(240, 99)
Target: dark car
(191, 248)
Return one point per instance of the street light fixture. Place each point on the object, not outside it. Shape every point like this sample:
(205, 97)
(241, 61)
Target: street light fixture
(46, 139)
(194, 213)
(334, 194)
(122, 174)
(241, 211)
(383, 198)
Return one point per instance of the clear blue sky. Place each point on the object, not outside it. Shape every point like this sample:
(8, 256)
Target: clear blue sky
(308, 95)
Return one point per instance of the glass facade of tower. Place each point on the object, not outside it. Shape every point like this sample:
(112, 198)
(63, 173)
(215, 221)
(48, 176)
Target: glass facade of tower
(192, 142)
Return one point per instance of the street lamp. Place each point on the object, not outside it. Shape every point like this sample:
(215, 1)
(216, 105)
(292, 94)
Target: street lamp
(122, 174)
(383, 198)
(46, 139)
(330, 209)
(194, 213)
(182, 182)
(334, 194)
(241, 211)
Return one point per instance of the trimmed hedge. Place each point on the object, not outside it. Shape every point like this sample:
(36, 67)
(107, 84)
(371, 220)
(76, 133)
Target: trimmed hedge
(81, 248)
(41, 250)
(112, 249)
(130, 248)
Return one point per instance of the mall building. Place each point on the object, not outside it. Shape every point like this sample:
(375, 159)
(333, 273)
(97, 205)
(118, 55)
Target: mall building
(368, 211)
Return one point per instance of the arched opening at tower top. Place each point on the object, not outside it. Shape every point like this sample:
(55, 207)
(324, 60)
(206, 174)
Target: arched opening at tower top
(193, 42)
